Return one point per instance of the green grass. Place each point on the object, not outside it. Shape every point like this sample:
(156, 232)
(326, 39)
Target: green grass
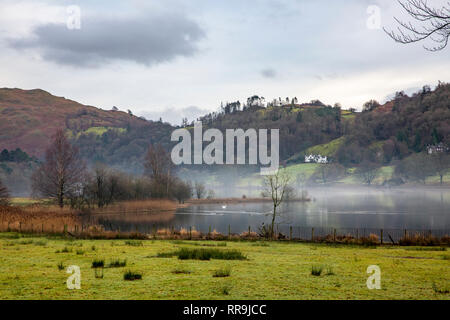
(327, 149)
(278, 271)
(97, 131)
(304, 168)
(24, 201)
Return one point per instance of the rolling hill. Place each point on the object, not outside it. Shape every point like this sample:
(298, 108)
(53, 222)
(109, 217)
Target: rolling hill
(28, 118)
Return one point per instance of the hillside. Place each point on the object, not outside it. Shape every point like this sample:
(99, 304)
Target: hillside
(29, 117)
(386, 133)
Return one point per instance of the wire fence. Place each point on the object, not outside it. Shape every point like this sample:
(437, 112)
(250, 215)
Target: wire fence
(282, 232)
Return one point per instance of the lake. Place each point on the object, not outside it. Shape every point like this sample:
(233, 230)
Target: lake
(368, 209)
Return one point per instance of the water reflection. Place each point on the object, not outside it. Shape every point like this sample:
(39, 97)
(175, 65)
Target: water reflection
(330, 208)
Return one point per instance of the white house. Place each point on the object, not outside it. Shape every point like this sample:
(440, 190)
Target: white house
(312, 158)
(439, 148)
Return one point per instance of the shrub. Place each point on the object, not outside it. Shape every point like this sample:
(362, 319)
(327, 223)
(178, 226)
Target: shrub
(419, 240)
(131, 276)
(80, 252)
(222, 273)
(371, 240)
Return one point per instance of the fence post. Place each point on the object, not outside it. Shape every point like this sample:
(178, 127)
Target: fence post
(190, 232)
(42, 228)
(65, 229)
(229, 232)
(290, 233)
(381, 236)
(334, 235)
(312, 234)
(357, 234)
(249, 230)
(20, 226)
(406, 234)
(209, 232)
(154, 231)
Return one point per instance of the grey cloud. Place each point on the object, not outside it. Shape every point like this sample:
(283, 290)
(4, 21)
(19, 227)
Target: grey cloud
(145, 40)
(269, 73)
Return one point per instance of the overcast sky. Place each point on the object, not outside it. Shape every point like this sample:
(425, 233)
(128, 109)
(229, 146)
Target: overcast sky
(175, 58)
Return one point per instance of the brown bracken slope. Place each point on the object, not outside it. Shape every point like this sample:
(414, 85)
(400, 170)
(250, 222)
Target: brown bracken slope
(29, 117)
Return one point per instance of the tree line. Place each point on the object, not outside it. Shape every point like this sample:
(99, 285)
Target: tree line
(65, 177)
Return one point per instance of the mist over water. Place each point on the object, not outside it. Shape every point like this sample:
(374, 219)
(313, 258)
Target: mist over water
(371, 208)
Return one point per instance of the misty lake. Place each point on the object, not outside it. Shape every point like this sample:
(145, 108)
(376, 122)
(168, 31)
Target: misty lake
(364, 208)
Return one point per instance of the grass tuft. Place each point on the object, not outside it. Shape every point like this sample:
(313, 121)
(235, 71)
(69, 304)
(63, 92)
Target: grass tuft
(117, 263)
(440, 290)
(134, 243)
(226, 290)
(60, 266)
(316, 270)
(207, 254)
(97, 263)
(131, 276)
(181, 271)
(222, 273)
(329, 271)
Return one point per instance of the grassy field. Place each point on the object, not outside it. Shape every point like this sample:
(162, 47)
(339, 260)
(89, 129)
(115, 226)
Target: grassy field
(273, 270)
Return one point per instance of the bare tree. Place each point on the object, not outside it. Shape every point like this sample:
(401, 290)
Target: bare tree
(440, 164)
(181, 190)
(328, 172)
(276, 186)
(62, 172)
(4, 195)
(200, 190)
(158, 165)
(416, 167)
(367, 171)
(434, 24)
